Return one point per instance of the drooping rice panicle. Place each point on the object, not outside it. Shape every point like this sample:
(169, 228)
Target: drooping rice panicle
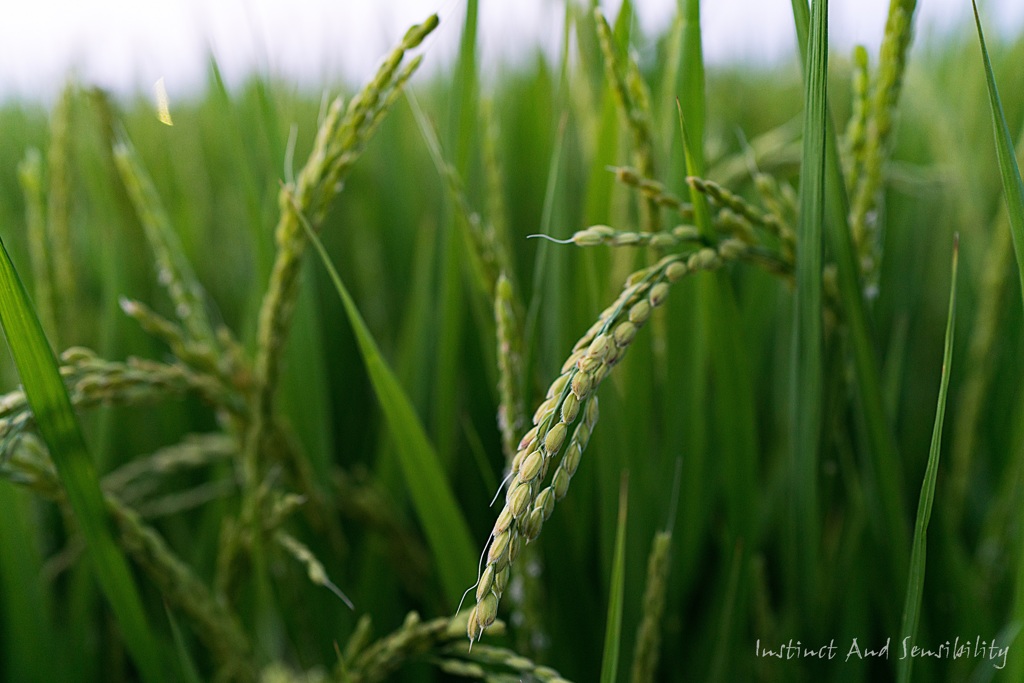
(92, 381)
(567, 418)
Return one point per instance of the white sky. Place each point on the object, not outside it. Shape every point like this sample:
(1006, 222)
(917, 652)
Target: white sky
(128, 44)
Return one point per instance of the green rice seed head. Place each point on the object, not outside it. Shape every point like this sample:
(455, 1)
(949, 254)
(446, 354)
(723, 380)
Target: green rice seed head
(519, 500)
(589, 364)
(624, 333)
(558, 386)
(515, 545)
(483, 587)
(731, 249)
(473, 628)
(517, 461)
(570, 408)
(599, 348)
(555, 438)
(639, 313)
(686, 233)
(676, 271)
(528, 439)
(572, 457)
(658, 294)
(530, 467)
(663, 240)
(487, 610)
(582, 383)
(497, 554)
(504, 521)
(593, 236)
(545, 502)
(624, 239)
(532, 525)
(501, 578)
(544, 410)
(560, 483)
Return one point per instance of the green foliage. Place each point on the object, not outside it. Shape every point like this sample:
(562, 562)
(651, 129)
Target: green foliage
(263, 445)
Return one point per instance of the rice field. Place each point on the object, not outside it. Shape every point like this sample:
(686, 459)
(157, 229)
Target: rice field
(613, 368)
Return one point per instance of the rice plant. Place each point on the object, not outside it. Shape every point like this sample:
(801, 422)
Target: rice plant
(615, 368)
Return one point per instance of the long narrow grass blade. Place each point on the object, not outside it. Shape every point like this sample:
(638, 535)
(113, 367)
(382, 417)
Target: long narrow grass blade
(869, 396)
(616, 595)
(58, 425)
(692, 100)
(1008, 169)
(806, 379)
(445, 527)
(918, 555)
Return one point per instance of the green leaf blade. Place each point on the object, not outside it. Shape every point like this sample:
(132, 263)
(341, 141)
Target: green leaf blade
(918, 556)
(806, 379)
(59, 428)
(1009, 171)
(446, 528)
